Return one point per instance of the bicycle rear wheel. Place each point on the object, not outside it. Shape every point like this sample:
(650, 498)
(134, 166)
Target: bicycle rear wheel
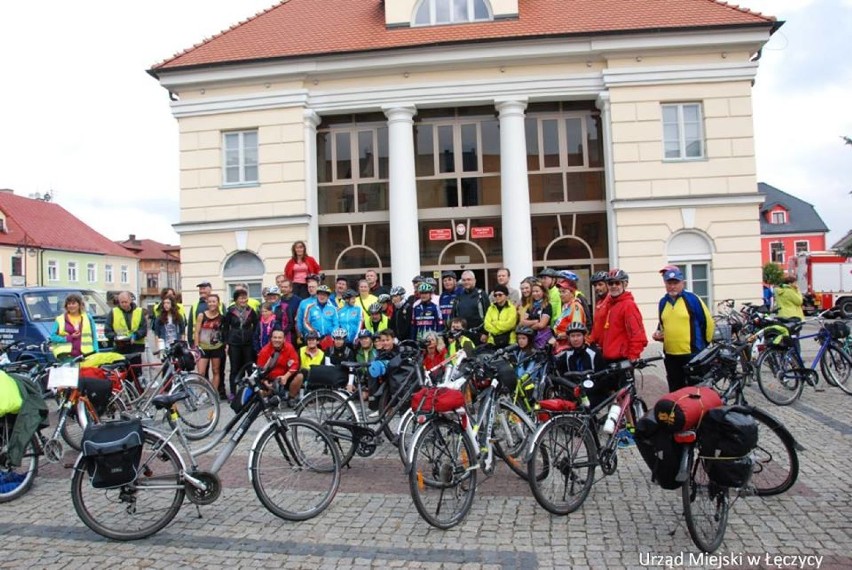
(200, 412)
(323, 405)
(836, 367)
(139, 509)
(512, 430)
(705, 505)
(777, 377)
(440, 477)
(561, 465)
(776, 461)
(295, 469)
(15, 481)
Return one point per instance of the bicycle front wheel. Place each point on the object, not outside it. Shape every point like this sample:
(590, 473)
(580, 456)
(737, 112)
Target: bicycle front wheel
(836, 367)
(137, 510)
(705, 505)
(776, 461)
(200, 412)
(295, 469)
(16, 481)
(441, 477)
(512, 430)
(323, 405)
(777, 378)
(561, 465)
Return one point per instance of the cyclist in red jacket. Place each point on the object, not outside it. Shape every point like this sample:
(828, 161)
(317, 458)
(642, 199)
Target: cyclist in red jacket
(623, 332)
(284, 373)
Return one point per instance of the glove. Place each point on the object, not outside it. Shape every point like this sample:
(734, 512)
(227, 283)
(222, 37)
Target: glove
(132, 337)
(378, 368)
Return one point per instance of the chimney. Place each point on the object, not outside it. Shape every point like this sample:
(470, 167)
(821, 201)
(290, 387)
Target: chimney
(132, 238)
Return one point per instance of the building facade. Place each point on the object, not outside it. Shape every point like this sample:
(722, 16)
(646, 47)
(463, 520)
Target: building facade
(159, 267)
(788, 226)
(412, 136)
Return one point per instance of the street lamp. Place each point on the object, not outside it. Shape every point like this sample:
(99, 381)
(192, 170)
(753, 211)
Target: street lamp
(26, 248)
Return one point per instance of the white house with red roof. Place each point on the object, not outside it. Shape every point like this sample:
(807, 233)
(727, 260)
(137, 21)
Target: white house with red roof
(159, 267)
(414, 136)
(42, 244)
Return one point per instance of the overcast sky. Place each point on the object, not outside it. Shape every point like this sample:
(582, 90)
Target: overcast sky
(80, 116)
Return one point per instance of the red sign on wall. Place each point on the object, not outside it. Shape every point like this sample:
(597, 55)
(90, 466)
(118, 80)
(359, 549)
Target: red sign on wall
(482, 233)
(441, 234)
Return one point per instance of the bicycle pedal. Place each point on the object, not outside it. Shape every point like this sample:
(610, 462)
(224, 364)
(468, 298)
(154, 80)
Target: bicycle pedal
(818, 388)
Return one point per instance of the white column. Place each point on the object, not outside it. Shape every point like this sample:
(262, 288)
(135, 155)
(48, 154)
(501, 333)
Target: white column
(603, 104)
(514, 188)
(311, 122)
(402, 194)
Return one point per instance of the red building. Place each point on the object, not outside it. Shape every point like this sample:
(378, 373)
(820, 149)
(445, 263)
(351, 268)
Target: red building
(788, 226)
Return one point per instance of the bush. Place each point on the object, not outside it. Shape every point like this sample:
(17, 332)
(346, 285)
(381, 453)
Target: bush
(772, 273)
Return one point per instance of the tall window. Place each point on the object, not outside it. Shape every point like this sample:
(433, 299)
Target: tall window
(125, 275)
(17, 266)
(776, 252)
(802, 247)
(692, 252)
(683, 136)
(52, 270)
(436, 12)
(779, 217)
(91, 272)
(152, 280)
(72, 271)
(352, 169)
(108, 273)
(240, 158)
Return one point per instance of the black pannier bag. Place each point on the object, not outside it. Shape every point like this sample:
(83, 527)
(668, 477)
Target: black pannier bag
(97, 390)
(326, 378)
(725, 441)
(401, 373)
(659, 451)
(113, 451)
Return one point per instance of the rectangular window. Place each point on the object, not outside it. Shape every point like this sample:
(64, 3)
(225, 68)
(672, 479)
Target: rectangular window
(108, 273)
(17, 266)
(698, 280)
(125, 275)
(779, 217)
(683, 136)
(72, 271)
(240, 158)
(776, 252)
(52, 270)
(152, 280)
(802, 247)
(91, 272)
(352, 170)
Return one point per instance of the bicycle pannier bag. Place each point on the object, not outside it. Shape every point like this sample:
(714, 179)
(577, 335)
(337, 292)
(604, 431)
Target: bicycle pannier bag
(725, 440)
(683, 409)
(98, 389)
(401, 374)
(838, 329)
(10, 395)
(242, 397)
(659, 450)
(113, 451)
(428, 400)
(326, 377)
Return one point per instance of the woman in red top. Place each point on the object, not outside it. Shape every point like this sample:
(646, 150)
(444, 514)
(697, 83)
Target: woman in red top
(434, 354)
(299, 267)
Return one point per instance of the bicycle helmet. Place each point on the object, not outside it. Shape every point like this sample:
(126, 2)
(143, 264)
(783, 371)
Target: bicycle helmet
(616, 274)
(526, 331)
(339, 333)
(396, 290)
(324, 289)
(577, 326)
(548, 272)
(272, 290)
(425, 287)
(364, 333)
(375, 308)
(598, 277)
(350, 293)
(312, 335)
(384, 298)
(569, 275)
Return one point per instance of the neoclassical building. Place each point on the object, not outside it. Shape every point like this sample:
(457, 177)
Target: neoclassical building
(418, 135)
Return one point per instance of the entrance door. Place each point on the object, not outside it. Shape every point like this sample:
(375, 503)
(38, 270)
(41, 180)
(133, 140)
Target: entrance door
(460, 256)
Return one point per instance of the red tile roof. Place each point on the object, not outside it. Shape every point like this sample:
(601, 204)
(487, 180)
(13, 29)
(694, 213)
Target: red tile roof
(314, 27)
(150, 249)
(50, 226)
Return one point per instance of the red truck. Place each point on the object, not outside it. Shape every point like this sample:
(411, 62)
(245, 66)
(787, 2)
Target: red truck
(828, 277)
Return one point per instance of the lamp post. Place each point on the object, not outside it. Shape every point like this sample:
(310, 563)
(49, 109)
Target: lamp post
(26, 248)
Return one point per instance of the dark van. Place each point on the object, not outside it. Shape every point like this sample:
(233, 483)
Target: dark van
(27, 314)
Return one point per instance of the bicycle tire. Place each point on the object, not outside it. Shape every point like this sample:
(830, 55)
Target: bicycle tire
(705, 505)
(323, 405)
(440, 478)
(17, 481)
(776, 377)
(561, 465)
(295, 471)
(776, 461)
(115, 513)
(836, 367)
(513, 429)
(405, 433)
(72, 431)
(200, 412)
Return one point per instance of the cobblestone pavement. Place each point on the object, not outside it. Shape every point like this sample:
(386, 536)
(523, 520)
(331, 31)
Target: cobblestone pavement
(373, 523)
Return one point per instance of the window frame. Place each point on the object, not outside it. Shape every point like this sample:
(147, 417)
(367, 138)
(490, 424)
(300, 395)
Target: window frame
(681, 141)
(780, 219)
(72, 271)
(797, 243)
(779, 250)
(52, 270)
(241, 166)
(471, 13)
(92, 272)
(124, 274)
(108, 274)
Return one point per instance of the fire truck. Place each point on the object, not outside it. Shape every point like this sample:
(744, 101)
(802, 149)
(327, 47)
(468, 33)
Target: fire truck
(828, 277)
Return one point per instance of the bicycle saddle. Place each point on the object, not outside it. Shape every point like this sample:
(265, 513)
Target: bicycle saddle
(165, 401)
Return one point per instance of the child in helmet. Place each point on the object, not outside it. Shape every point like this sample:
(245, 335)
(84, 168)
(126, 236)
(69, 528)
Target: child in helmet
(579, 356)
(340, 351)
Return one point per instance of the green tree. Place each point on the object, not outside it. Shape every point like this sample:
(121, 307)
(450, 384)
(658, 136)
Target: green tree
(772, 273)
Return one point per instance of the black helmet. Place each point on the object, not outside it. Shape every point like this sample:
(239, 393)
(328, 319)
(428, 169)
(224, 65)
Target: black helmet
(598, 277)
(526, 331)
(312, 335)
(364, 333)
(577, 326)
(616, 274)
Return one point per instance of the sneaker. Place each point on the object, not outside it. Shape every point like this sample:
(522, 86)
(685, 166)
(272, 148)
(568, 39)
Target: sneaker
(374, 414)
(625, 439)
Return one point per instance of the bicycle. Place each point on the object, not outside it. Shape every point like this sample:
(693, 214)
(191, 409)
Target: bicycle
(782, 372)
(293, 465)
(17, 474)
(450, 448)
(566, 449)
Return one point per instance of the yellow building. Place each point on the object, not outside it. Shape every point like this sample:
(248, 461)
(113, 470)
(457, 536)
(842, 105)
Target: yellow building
(417, 135)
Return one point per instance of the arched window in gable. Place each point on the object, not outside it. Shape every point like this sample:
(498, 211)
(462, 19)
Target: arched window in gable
(439, 12)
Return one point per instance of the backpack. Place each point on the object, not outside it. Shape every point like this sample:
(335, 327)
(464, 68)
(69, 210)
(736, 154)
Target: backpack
(113, 451)
(725, 441)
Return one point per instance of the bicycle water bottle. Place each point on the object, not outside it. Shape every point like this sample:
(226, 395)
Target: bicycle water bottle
(584, 396)
(612, 417)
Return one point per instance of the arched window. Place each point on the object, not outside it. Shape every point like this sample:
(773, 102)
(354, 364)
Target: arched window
(244, 267)
(437, 12)
(692, 252)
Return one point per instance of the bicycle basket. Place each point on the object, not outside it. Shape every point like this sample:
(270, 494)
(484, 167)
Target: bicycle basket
(838, 329)
(113, 451)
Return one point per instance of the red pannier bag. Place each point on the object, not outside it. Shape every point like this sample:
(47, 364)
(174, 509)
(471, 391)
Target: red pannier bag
(683, 409)
(558, 406)
(438, 400)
